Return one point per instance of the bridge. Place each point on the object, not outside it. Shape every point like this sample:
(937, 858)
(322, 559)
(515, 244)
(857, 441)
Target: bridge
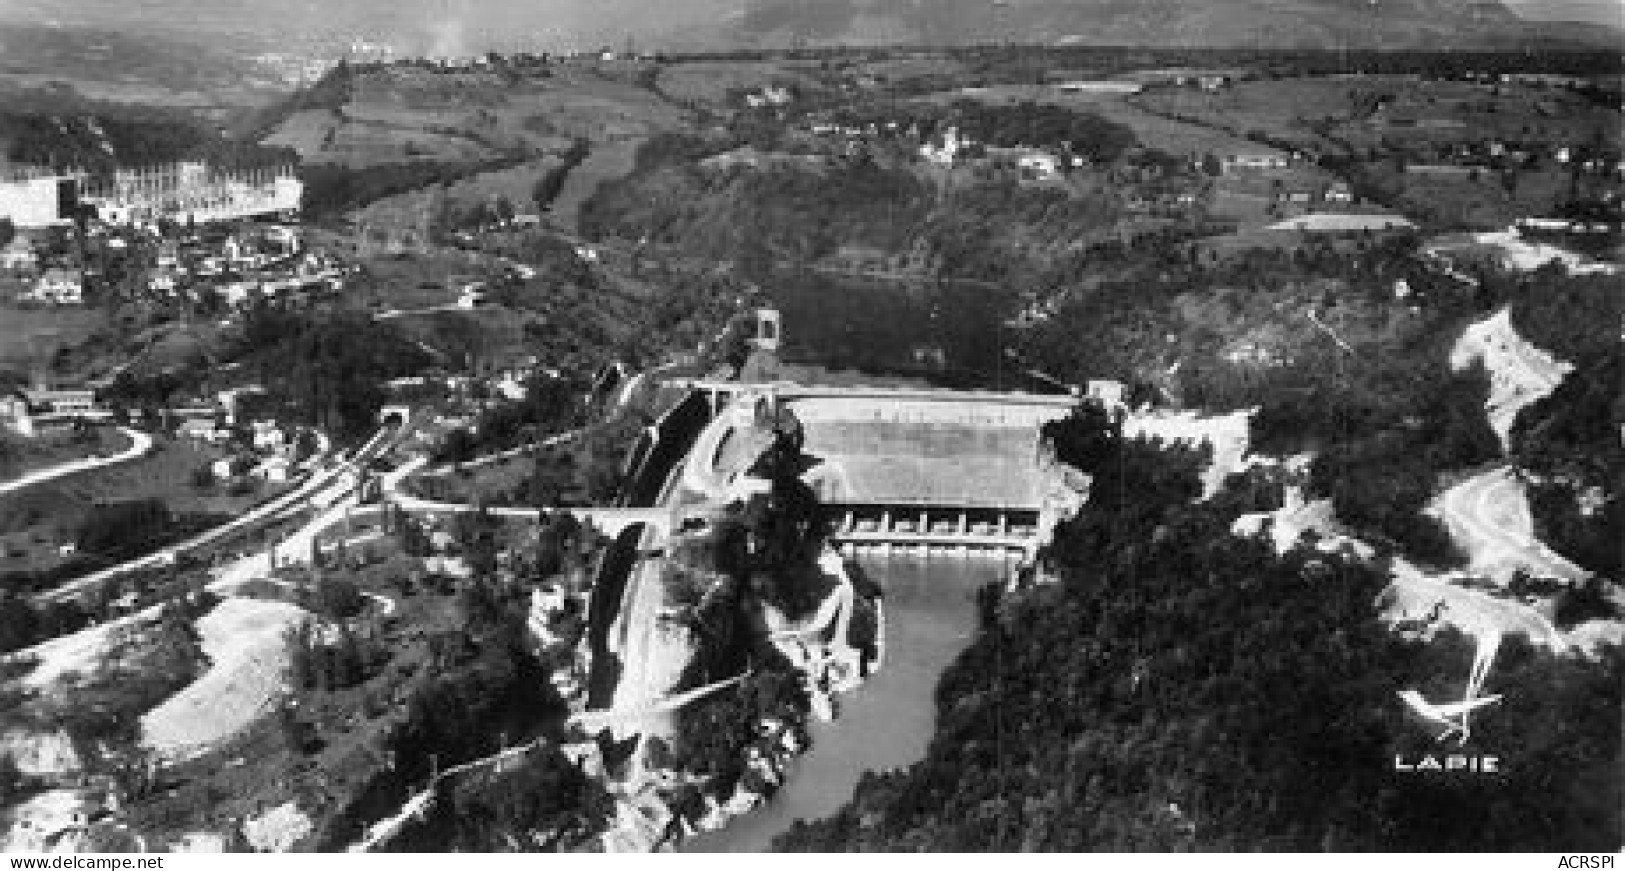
(609, 521)
(721, 392)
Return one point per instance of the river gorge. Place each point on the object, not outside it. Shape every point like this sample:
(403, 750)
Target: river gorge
(887, 723)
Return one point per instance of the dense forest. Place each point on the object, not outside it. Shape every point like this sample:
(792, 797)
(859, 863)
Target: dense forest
(1182, 689)
(1567, 444)
(328, 370)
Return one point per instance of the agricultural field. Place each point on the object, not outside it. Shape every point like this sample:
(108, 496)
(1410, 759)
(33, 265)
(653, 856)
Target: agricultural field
(710, 83)
(1282, 109)
(606, 162)
(404, 115)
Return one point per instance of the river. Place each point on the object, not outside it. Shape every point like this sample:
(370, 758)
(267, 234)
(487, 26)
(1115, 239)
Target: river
(930, 619)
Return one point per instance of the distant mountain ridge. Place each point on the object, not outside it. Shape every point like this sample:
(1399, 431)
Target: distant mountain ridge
(464, 26)
(1326, 24)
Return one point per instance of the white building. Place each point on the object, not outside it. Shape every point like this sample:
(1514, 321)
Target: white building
(15, 414)
(1039, 164)
(945, 153)
(267, 435)
(57, 287)
(43, 201)
(1099, 86)
(18, 256)
(1321, 222)
(769, 96)
(193, 193)
(1255, 160)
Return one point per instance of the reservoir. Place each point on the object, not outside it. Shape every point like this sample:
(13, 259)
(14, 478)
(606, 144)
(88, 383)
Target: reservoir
(887, 723)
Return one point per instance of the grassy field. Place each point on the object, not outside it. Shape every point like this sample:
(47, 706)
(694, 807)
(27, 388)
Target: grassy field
(514, 184)
(1279, 108)
(32, 336)
(607, 161)
(401, 115)
(416, 280)
(710, 82)
(35, 520)
(19, 456)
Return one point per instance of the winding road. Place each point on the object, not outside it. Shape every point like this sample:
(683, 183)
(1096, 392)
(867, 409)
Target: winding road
(1489, 515)
(140, 444)
(325, 486)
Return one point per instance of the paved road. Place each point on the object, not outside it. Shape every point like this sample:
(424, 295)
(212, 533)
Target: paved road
(140, 444)
(325, 486)
(1489, 515)
(391, 314)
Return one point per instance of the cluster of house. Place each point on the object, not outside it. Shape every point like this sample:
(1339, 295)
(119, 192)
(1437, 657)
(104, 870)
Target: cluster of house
(263, 449)
(1469, 160)
(41, 277)
(270, 261)
(1039, 164)
(770, 95)
(41, 410)
(366, 55)
(55, 286)
(267, 260)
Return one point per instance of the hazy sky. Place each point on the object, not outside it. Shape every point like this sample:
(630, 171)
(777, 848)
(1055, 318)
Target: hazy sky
(1604, 11)
(459, 26)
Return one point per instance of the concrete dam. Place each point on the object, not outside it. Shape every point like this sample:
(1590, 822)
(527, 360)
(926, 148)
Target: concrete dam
(916, 470)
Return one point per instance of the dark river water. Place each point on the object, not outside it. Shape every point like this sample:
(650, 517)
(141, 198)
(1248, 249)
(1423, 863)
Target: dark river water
(930, 618)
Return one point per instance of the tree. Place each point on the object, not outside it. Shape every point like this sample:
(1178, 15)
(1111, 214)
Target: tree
(336, 598)
(12, 781)
(19, 624)
(1088, 439)
(735, 349)
(202, 478)
(297, 735)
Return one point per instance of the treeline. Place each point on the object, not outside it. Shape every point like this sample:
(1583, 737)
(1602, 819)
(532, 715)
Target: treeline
(331, 189)
(330, 93)
(1182, 689)
(548, 186)
(65, 131)
(1028, 123)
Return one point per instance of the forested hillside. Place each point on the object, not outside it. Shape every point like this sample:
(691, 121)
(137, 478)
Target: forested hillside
(56, 128)
(1568, 442)
(1181, 689)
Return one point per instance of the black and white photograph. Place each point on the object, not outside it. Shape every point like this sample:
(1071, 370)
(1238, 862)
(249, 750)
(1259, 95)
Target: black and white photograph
(812, 426)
